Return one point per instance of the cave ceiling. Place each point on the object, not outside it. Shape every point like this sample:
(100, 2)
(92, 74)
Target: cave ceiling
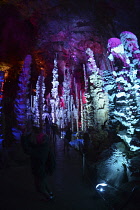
(61, 28)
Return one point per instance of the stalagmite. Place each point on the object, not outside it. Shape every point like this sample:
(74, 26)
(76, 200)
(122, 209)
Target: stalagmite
(97, 99)
(39, 110)
(21, 100)
(125, 74)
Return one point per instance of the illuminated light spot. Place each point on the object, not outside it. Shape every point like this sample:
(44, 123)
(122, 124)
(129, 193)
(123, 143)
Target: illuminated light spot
(100, 187)
(120, 94)
(101, 184)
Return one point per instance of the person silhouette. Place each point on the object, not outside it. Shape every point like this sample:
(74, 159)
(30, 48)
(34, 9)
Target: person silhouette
(67, 139)
(40, 150)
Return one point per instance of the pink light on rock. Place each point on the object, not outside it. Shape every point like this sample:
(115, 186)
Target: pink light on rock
(113, 42)
(116, 50)
(129, 41)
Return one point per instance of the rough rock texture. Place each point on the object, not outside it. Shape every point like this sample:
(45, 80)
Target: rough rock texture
(46, 29)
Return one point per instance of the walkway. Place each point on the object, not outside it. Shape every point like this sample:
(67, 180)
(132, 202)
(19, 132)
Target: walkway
(17, 191)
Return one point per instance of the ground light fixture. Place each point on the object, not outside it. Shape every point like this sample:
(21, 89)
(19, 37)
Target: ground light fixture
(101, 187)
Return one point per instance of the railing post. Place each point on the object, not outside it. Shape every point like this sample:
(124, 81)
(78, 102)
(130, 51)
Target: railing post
(83, 159)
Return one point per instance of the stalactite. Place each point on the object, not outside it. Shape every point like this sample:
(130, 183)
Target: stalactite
(21, 100)
(82, 113)
(54, 100)
(39, 102)
(72, 113)
(84, 100)
(1, 98)
(66, 95)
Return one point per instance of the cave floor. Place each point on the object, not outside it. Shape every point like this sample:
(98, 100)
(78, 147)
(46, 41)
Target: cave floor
(72, 191)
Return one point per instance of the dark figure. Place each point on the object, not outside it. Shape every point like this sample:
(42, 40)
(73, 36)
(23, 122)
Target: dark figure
(42, 163)
(48, 126)
(5, 159)
(54, 132)
(67, 139)
(86, 143)
(25, 139)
